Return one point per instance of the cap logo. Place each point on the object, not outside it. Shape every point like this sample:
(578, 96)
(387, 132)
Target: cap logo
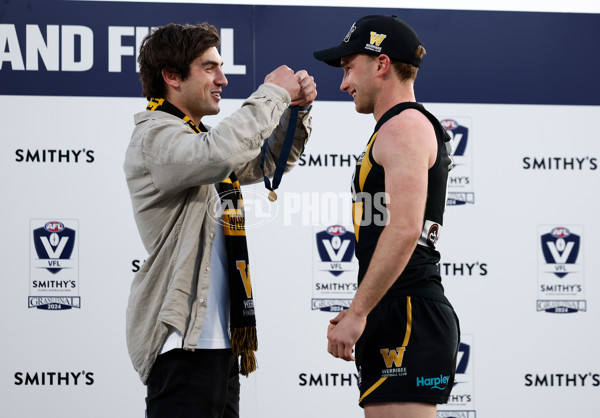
(352, 29)
(375, 42)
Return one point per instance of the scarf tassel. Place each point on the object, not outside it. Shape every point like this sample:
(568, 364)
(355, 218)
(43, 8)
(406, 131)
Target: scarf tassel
(244, 342)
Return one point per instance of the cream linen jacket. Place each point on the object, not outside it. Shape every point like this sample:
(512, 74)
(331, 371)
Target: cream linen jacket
(171, 172)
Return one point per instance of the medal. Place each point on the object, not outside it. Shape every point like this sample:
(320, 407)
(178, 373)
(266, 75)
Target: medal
(283, 155)
(272, 196)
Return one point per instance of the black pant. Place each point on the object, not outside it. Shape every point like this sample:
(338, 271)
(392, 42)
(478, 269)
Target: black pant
(198, 384)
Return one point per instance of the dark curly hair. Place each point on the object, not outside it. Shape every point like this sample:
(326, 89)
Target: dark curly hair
(172, 47)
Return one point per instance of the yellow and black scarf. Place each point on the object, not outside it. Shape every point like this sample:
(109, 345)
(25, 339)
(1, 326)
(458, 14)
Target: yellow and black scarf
(242, 321)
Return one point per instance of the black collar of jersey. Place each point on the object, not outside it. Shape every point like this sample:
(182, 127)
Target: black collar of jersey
(395, 110)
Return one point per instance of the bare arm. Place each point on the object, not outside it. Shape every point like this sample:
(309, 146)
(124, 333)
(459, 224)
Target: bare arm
(406, 147)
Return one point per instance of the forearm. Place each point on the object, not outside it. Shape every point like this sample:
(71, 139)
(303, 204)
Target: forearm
(179, 159)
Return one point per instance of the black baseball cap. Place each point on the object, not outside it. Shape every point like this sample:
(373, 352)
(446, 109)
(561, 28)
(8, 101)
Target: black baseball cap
(374, 35)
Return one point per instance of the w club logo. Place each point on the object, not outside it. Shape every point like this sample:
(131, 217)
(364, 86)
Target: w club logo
(377, 38)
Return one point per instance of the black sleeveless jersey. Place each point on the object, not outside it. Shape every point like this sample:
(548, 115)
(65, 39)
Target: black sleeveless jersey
(421, 275)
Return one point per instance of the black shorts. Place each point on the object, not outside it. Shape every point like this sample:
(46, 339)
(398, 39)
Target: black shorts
(407, 352)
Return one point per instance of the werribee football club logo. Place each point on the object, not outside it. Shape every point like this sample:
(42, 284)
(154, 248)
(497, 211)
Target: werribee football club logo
(334, 273)
(54, 275)
(560, 274)
(460, 178)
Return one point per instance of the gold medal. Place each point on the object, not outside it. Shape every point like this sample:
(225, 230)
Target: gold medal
(272, 196)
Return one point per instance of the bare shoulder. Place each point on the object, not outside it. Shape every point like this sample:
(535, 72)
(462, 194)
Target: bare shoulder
(407, 135)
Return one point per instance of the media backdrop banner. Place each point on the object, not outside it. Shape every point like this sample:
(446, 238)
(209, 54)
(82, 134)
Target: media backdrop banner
(517, 91)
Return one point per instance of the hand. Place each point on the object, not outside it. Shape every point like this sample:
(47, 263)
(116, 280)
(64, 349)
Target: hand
(343, 332)
(308, 89)
(284, 77)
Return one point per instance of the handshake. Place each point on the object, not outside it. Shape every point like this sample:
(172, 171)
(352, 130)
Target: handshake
(301, 86)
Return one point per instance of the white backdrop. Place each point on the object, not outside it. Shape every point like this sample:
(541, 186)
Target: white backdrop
(526, 169)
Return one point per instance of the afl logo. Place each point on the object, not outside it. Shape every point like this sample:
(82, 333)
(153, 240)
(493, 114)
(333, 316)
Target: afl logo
(433, 235)
(560, 232)
(449, 124)
(54, 226)
(336, 230)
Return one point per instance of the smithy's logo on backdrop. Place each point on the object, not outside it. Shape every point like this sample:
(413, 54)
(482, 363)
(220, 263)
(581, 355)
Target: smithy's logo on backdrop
(460, 178)
(460, 403)
(54, 271)
(334, 277)
(560, 272)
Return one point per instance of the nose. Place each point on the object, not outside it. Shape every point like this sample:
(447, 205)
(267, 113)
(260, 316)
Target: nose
(344, 86)
(221, 80)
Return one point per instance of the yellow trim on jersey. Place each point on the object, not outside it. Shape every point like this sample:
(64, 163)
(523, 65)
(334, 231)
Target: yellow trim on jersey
(372, 388)
(357, 213)
(366, 165)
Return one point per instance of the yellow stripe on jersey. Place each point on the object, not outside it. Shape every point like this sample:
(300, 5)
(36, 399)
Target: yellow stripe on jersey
(366, 165)
(365, 168)
(357, 213)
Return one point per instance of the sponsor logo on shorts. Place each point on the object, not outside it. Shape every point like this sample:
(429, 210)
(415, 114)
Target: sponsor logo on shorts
(438, 383)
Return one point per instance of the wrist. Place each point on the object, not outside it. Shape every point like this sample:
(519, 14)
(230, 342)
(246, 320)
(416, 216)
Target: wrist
(357, 311)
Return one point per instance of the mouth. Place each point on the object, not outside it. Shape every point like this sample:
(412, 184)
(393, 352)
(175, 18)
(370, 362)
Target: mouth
(216, 95)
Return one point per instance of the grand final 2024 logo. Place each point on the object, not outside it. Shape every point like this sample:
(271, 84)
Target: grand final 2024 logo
(560, 272)
(54, 270)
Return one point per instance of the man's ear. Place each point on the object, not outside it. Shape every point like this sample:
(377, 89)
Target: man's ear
(171, 78)
(383, 64)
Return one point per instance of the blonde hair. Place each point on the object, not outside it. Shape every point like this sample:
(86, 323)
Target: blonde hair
(408, 72)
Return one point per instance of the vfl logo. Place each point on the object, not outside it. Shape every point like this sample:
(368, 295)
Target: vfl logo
(335, 246)
(393, 357)
(53, 244)
(377, 38)
(560, 247)
(459, 135)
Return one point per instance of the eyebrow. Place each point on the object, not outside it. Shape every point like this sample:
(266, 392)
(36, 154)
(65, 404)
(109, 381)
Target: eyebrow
(210, 62)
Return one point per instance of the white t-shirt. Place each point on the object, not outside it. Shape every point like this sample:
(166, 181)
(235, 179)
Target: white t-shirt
(215, 331)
